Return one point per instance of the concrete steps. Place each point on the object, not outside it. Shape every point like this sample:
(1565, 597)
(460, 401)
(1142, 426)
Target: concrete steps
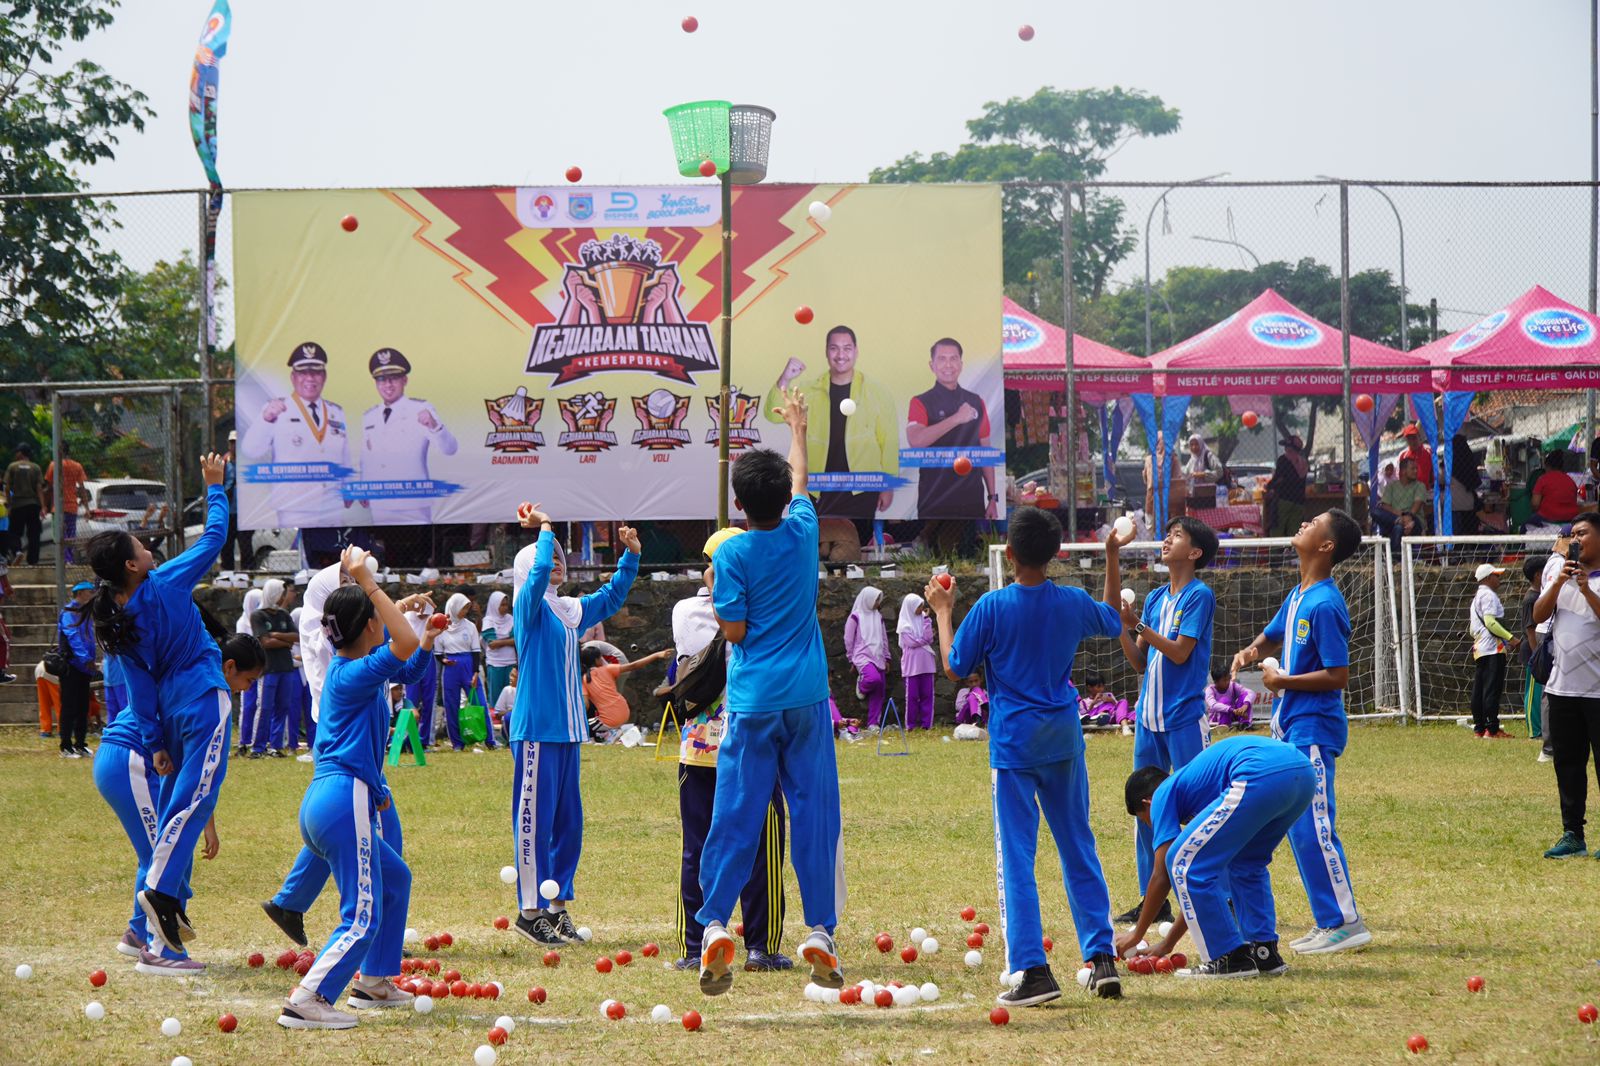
(30, 613)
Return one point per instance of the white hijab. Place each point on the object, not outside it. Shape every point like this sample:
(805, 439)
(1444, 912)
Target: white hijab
(569, 609)
(252, 604)
(272, 593)
(910, 620)
(869, 623)
(493, 619)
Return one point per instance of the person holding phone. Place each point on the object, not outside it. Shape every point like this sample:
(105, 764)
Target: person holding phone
(1570, 602)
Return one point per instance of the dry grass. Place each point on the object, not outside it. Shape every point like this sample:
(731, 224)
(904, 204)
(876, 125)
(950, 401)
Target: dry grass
(1444, 835)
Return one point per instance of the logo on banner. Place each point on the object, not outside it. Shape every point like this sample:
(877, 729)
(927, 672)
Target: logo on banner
(580, 206)
(544, 206)
(623, 207)
(513, 419)
(621, 312)
(1019, 335)
(588, 417)
(1476, 335)
(1283, 330)
(742, 432)
(660, 416)
(1555, 328)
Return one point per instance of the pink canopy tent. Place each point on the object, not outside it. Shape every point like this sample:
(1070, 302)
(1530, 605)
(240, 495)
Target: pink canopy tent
(1538, 341)
(1035, 354)
(1270, 346)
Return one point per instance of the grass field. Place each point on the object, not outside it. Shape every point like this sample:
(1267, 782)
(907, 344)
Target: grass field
(1444, 836)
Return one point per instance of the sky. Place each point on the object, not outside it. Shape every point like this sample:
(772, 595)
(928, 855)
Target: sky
(408, 93)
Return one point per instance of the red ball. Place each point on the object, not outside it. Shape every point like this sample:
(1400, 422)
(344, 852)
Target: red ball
(616, 1011)
(432, 943)
(949, 582)
(884, 998)
(1163, 964)
(497, 1036)
(536, 994)
(1364, 403)
(574, 174)
(452, 975)
(445, 938)
(286, 960)
(690, 24)
(975, 940)
(474, 991)
(691, 1020)
(738, 929)
(804, 315)
(1474, 983)
(885, 943)
(1249, 419)
(302, 966)
(708, 168)
(458, 988)
(1142, 964)
(850, 995)
(256, 960)
(624, 957)
(603, 964)
(1417, 1043)
(502, 922)
(999, 1016)
(1180, 961)
(1049, 945)
(967, 913)
(650, 950)
(552, 958)
(308, 954)
(1588, 1013)
(432, 966)
(491, 991)
(908, 954)
(349, 223)
(962, 465)
(97, 978)
(982, 929)
(227, 1023)
(1025, 32)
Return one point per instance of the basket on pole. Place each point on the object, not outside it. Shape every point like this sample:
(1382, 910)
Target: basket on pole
(750, 134)
(700, 132)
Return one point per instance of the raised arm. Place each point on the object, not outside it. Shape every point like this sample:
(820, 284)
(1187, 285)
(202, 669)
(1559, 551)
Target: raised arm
(640, 664)
(539, 558)
(187, 569)
(794, 415)
(608, 599)
(402, 641)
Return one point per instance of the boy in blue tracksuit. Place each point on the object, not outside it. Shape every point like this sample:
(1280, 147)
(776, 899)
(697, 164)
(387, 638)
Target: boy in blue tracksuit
(1313, 627)
(779, 725)
(339, 815)
(550, 722)
(1025, 637)
(1237, 799)
(1170, 644)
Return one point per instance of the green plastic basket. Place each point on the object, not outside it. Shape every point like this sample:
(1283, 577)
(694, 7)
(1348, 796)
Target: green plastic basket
(699, 132)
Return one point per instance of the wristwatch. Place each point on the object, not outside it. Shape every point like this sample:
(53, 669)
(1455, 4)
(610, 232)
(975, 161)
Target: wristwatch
(1138, 629)
(994, 495)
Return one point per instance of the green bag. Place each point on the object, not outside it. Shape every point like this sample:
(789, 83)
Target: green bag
(473, 721)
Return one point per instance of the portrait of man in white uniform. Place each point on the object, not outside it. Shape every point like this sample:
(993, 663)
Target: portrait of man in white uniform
(303, 428)
(398, 433)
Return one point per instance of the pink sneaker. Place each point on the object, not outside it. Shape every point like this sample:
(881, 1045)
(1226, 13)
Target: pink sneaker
(151, 963)
(130, 944)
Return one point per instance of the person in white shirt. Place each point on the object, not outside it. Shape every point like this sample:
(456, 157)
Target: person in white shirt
(1570, 602)
(503, 706)
(461, 648)
(499, 645)
(398, 433)
(250, 696)
(304, 428)
(1490, 642)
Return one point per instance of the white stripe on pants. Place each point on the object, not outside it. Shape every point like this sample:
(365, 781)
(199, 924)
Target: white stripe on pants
(139, 789)
(999, 860)
(1191, 849)
(528, 879)
(361, 808)
(216, 749)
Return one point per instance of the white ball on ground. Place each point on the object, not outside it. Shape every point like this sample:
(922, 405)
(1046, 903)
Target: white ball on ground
(1143, 945)
(930, 946)
(547, 888)
(918, 935)
(171, 1027)
(605, 1005)
(847, 407)
(928, 992)
(24, 972)
(830, 995)
(1123, 525)
(907, 996)
(94, 1011)
(485, 1055)
(1012, 979)
(1083, 977)
(811, 990)
(1164, 928)
(506, 1022)
(974, 958)
(508, 874)
(585, 934)
(422, 1004)
(182, 1060)
(661, 1013)
(411, 936)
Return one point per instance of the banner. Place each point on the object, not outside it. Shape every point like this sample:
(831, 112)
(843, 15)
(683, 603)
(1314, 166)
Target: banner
(462, 350)
(203, 83)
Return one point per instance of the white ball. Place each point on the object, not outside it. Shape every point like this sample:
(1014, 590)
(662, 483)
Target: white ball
(585, 934)
(372, 565)
(1164, 928)
(1083, 977)
(1272, 662)
(94, 1011)
(485, 1055)
(412, 936)
(820, 211)
(1143, 945)
(423, 1004)
(918, 935)
(929, 992)
(906, 996)
(930, 946)
(506, 1022)
(24, 972)
(847, 407)
(945, 738)
(661, 1013)
(171, 1027)
(605, 1005)
(182, 1060)
(811, 990)
(508, 874)
(867, 989)
(1128, 596)
(547, 888)
(974, 958)
(829, 995)
(1123, 525)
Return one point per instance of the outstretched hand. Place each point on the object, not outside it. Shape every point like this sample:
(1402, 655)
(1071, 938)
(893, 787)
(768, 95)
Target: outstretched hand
(212, 467)
(629, 538)
(793, 412)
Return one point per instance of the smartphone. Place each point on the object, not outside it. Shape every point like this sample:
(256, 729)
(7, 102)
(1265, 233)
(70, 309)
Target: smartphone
(1572, 552)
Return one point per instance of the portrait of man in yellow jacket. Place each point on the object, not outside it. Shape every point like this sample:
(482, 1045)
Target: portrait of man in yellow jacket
(865, 442)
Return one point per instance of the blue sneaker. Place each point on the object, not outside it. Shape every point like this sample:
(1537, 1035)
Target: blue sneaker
(1570, 846)
(756, 961)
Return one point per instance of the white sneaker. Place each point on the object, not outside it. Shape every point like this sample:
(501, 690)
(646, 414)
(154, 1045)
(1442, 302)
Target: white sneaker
(1347, 937)
(1301, 942)
(314, 1013)
(819, 950)
(1544, 756)
(382, 994)
(716, 961)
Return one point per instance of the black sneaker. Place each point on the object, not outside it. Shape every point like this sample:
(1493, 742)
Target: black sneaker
(564, 927)
(1038, 986)
(540, 930)
(1268, 961)
(1104, 981)
(757, 961)
(293, 923)
(243, 752)
(277, 753)
(6, 679)
(256, 755)
(1240, 962)
(1131, 915)
(161, 910)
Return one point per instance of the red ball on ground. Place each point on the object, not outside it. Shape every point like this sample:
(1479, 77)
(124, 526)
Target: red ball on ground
(227, 1023)
(1163, 964)
(256, 960)
(1588, 1013)
(968, 913)
(97, 978)
(691, 1020)
(497, 1036)
(302, 966)
(1179, 960)
(432, 943)
(690, 24)
(1364, 403)
(574, 174)
(982, 928)
(552, 958)
(603, 964)
(708, 168)
(650, 950)
(307, 953)
(349, 223)
(1474, 983)
(999, 1016)
(738, 929)
(616, 1011)
(624, 957)
(885, 943)
(962, 466)
(850, 995)
(536, 994)
(908, 954)
(474, 991)
(975, 940)
(1417, 1043)
(458, 988)
(804, 315)
(446, 939)
(1025, 32)
(883, 998)
(432, 966)
(1249, 419)
(502, 922)
(452, 975)
(286, 959)
(491, 991)
(1142, 964)
(1049, 945)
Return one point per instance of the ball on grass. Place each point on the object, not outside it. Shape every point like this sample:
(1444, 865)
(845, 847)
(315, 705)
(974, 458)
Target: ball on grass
(182, 1060)
(1474, 983)
(907, 996)
(1588, 1014)
(24, 972)
(97, 978)
(661, 1013)
(508, 874)
(422, 1004)
(1417, 1043)
(930, 945)
(227, 1023)
(999, 1016)
(171, 1027)
(502, 922)
(692, 1020)
(485, 1055)
(411, 936)
(968, 913)
(498, 1035)
(1083, 976)
(928, 992)
(536, 994)
(918, 935)
(94, 1011)
(585, 934)
(974, 958)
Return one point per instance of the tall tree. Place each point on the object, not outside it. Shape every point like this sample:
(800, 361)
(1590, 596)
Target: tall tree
(1052, 136)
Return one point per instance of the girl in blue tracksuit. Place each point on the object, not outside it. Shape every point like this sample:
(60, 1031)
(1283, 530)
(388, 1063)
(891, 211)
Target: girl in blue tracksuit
(549, 721)
(148, 616)
(339, 815)
(461, 652)
(75, 639)
(129, 784)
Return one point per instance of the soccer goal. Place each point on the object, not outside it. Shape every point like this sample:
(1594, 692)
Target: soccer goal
(1437, 585)
(1251, 577)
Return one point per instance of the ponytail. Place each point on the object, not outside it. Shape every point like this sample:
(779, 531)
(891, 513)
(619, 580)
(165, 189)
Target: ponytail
(109, 553)
(245, 652)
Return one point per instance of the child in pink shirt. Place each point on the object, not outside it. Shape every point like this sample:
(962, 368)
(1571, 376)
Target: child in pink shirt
(1228, 703)
(866, 645)
(915, 629)
(1098, 706)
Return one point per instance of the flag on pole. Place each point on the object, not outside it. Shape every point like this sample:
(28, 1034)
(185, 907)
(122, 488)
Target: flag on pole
(203, 87)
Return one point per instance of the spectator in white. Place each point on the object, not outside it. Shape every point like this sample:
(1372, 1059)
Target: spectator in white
(1490, 643)
(1202, 460)
(1570, 602)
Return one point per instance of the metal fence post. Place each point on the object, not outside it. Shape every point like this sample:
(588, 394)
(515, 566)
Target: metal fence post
(1069, 320)
(56, 523)
(169, 423)
(1344, 341)
(203, 341)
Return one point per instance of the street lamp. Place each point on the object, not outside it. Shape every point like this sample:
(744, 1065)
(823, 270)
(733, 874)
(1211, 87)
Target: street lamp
(1224, 240)
(1149, 219)
(736, 140)
(1405, 340)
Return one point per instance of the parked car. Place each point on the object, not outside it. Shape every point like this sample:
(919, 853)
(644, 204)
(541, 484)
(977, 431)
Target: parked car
(116, 503)
(275, 550)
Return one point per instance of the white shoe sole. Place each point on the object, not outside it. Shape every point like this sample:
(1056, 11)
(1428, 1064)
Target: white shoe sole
(163, 971)
(307, 1023)
(716, 966)
(377, 1004)
(127, 949)
(1349, 943)
(1196, 975)
(825, 971)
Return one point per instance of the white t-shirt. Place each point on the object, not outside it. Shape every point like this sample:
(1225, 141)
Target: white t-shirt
(694, 624)
(1576, 632)
(508, 700)
(1485, 604)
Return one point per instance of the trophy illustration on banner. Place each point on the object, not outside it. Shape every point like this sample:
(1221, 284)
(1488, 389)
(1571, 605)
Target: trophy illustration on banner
(742, 432)
(620, 274)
